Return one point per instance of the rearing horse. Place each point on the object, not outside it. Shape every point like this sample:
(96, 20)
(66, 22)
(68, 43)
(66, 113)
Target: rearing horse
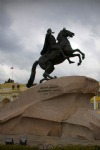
(66, 46)
(48, 60)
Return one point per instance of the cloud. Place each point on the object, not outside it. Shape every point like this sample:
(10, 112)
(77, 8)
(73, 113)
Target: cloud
(23, 25)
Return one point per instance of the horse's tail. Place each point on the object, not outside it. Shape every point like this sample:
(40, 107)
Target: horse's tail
(32, 76)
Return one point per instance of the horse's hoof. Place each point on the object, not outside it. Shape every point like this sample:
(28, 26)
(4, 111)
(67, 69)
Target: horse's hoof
(78, 64)
(29, 85)
(72, 62)
(41, 81)
(83, 56)
(55, 77)
(44, 79)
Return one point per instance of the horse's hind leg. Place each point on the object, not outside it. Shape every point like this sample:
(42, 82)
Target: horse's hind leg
(49, 69)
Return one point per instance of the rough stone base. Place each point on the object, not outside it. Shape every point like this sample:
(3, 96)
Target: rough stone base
(54, 111)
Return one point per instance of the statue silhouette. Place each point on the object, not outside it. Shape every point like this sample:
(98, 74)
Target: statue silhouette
(53, 55)
(51, 45)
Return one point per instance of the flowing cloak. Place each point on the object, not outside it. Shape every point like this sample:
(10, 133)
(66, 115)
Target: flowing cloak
(48, 44)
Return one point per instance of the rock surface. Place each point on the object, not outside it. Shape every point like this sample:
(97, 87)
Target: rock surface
(57, 108)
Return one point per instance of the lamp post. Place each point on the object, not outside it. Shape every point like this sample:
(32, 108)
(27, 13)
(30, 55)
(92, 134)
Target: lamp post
(12, 71)
(94, 102)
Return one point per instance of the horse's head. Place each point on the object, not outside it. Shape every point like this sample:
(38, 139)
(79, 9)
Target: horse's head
(67, 33)
(64, 34)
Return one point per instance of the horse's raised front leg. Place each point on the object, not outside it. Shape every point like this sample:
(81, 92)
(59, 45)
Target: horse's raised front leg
(78, 55)
(83, 55)
(70, 62)
(77, 50)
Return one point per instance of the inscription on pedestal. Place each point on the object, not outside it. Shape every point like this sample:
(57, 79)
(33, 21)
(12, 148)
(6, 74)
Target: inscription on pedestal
(49, 90)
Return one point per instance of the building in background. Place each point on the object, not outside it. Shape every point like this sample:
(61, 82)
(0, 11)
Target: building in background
(95, 101)
(9, 91)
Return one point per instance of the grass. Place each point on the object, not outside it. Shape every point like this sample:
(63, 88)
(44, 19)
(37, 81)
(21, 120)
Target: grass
(16, 147)
(60, 147)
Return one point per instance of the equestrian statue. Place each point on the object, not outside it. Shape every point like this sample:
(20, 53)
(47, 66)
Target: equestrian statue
(54, 53)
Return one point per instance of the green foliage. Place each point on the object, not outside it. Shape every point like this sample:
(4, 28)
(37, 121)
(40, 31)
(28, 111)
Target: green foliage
(16, 147)
(77, 147)
(59, 147)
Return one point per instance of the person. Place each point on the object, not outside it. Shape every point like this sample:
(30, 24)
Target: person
(49, 42)
(50, 46)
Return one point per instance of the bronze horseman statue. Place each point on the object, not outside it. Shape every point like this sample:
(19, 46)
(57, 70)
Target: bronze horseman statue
(54, 53)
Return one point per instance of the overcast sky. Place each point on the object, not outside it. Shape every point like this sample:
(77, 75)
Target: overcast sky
(23, 25)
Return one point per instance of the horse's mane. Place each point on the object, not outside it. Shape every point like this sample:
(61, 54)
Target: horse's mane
(60, 36)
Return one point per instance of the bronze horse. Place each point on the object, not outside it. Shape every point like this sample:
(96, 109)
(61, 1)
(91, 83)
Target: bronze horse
(48, 60)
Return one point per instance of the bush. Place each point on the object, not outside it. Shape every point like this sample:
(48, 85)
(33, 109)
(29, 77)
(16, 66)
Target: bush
(16, 147)
(59, 147)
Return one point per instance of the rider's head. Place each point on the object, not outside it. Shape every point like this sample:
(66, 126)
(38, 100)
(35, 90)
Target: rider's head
(64, 28)
(49, 31)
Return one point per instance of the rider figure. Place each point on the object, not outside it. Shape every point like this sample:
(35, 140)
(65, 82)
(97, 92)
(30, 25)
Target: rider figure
(49, 42)
(51, 45)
